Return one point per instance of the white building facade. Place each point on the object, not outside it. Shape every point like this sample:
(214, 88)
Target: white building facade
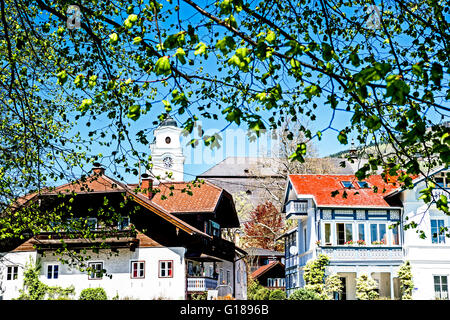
(148, 273)
(362, 233)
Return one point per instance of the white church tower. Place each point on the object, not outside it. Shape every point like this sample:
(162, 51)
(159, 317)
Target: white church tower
(167, 154)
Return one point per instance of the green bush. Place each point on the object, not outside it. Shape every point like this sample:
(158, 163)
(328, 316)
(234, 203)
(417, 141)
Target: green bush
(262, 294)
(252, 288)
(199, 296)
(93, 294)
(277, 294)
(304, 294)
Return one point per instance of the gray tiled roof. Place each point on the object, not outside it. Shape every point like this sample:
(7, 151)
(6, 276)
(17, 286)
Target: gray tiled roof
(242, 166)
(253, 251)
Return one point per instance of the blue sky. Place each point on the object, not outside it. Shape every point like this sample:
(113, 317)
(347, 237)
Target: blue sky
(326, 146)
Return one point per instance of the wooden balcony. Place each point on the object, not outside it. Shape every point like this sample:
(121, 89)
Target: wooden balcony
(296, 209)
(73, 240)
(197, 284)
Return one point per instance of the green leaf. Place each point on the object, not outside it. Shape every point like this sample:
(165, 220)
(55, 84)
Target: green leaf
(342, 137)
(137, 40)
(113, 38)
(436, 73)
(181, 55)
(271, 36)
(162, 66)
(327, 52)
(62, 77)
(200, 49)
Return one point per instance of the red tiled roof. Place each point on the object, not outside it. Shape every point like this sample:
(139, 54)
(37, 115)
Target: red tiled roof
(263, 269)
(320, 187)
(204, 197)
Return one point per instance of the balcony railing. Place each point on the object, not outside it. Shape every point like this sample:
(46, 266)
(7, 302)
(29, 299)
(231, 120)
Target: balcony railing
(296, 208)
(362, 253)
(201, 284)
(438, 192)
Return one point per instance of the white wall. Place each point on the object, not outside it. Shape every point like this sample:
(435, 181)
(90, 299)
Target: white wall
(121, 284)
(9, 289)
(427, 259)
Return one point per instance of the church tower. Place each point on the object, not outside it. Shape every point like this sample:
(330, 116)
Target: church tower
(167, 154)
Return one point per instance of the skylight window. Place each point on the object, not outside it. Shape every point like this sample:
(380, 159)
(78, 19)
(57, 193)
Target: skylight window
(347, 184)
(363, 184)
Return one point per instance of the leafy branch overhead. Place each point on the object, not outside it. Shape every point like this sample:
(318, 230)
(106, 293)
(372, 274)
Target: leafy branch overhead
(252, 64)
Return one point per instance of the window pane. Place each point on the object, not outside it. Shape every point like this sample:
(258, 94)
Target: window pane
(373, 232)
(49, 272)
(441, 232)
(327, 233)
(395, 237)
(348, 232)
(383, 235)
(340, 233)
(361, 234)
(437, 280)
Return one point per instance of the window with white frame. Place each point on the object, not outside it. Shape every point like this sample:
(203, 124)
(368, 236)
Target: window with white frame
(344, 232)
(228, 277)
(165, 268)
(12, 272)
(327, 233)
(52, 271)
(395, 237)
(437, 231)
(361, 232)
(441, 287)
(378, 233)
(137, 269)
(95, 270)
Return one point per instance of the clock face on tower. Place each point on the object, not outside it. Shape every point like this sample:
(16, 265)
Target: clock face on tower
(168, 162)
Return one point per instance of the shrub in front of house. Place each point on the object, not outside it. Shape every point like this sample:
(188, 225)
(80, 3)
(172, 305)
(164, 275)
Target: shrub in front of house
(304, 294)
(366, 288)
(262, 294)
(277, 294)
(93, 294)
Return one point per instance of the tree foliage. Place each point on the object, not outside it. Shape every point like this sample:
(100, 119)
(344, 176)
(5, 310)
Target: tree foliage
(406, 280)
(252, 64)
(34, 289)
(264, 227)
(366, 288)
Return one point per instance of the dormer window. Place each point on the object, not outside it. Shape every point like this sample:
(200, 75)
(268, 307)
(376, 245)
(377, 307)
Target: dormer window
(363, 184)
(347, 184)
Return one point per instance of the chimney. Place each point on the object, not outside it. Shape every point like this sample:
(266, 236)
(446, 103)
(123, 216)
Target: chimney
(146, 185)
(98, 169)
